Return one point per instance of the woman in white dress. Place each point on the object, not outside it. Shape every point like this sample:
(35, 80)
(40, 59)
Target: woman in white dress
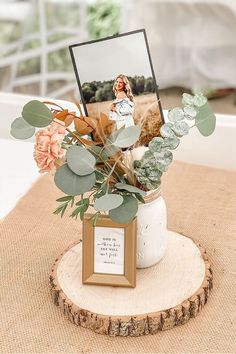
(122, 107)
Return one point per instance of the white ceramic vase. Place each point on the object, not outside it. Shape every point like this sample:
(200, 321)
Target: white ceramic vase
(151, 232)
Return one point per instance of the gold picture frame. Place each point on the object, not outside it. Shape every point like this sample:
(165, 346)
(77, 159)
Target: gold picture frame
(109, 252)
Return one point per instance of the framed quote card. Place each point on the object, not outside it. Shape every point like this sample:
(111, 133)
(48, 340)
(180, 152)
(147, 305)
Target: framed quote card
(109, 252)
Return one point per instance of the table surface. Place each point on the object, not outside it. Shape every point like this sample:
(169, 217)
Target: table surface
(201, 202)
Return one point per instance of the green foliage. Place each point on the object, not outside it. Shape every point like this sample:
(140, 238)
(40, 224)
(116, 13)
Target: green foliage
(121, 199)
(180, 128)
(127, 137)
(176, 115)
(108, 202)
(149, 85)
(205, 120)
(65, 202)
(100, 153)
(126, 211)
(129, 188)
(101, 170)
(20, 129)
(103, 19)
(99, 91)
(37, 114)
(81, 208)
(88, 92)
(147, 171)
(102, 190)
(104, 93)
(95, 217)
(158, 157)
(190, 112)
(159, 143)
(199, 100)
(166, 131)
(80, 160)
(72, 184)
(187, 99)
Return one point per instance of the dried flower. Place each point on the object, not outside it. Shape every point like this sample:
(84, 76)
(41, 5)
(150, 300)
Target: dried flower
(48, 152)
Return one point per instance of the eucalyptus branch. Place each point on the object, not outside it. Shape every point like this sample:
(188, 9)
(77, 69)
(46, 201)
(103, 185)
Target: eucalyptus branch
(113, 168)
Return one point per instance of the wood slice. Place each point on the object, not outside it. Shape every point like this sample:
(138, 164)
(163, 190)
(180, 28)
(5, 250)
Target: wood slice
(167, 294)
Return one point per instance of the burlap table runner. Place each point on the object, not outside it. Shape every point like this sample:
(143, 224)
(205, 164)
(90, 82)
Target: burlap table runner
(201, 203)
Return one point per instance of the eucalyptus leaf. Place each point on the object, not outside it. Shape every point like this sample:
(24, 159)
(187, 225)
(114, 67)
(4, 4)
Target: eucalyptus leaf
(102, 190)
(99, 153)
(126, 211)
(181, 128)
(171, 143)
(176, 115)
(127, 136)
(108, 202)
(190, 112)
(129, 188)
(20, 129)
(149, 177)
(154, 176)
(80, 161)
(37, 114)
(166, 130)
(72, 184)
(156, 144)
(187, 99)
(199, 100)
(163, 160)
(137, 164)
(115, 133)
(111, 150)
(140, 198)
(205, 120)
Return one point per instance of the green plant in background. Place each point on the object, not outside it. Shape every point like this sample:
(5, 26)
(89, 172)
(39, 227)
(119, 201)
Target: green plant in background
(103, 19)
(99, 91)
(95, 166)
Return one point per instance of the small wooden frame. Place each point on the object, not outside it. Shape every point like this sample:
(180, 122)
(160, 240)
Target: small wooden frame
(109, 259)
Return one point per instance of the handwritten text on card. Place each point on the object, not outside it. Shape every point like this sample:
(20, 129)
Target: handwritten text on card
(109, 250)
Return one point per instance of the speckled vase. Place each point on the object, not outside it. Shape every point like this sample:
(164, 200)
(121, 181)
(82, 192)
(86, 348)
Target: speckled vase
(151, 230)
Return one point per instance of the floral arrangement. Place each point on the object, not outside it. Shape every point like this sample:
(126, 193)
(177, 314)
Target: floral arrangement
(99, 167)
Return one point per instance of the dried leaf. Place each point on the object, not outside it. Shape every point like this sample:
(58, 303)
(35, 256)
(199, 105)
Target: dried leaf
(61, 115)
(92, 122)
(82, 127)
(104, 127)
(69, 119)
(104, 120)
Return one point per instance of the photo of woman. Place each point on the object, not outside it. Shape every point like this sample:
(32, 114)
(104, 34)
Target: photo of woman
(122, 108)
(120, 84)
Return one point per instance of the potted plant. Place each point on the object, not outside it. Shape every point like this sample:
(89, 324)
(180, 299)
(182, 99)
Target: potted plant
(97, 167)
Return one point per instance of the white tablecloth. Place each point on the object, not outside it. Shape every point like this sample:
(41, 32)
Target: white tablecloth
(192, 42)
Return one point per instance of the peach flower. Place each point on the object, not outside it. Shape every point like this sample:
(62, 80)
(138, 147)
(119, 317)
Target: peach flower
(48, 153)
